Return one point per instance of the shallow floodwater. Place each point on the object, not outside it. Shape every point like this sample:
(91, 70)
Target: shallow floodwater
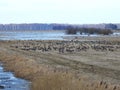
(9, 82)
(39, 35)
(31, 35)
(35, 35)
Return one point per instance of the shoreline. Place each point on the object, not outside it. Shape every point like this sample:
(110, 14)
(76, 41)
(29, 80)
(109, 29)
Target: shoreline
(9, 81)
(48, 35)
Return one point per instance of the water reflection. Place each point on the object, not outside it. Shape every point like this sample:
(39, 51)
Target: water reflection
(38, 35)
(9, 82)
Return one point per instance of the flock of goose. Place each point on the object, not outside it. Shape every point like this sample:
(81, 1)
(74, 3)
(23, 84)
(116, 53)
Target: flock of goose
(66, 46)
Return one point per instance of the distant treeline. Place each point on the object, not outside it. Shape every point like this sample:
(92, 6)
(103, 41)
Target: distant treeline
(40, 26)
(25, 27)
(88, 31)
(33, 26)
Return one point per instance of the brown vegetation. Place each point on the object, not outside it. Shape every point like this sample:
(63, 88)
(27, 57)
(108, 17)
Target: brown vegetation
(38, 62)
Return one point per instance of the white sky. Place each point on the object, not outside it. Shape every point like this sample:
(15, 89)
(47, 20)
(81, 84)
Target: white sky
(60, 11)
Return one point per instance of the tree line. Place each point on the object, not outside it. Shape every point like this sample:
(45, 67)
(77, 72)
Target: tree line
(89, 31)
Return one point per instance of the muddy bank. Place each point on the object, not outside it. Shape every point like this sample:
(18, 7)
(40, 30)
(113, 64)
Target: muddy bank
(49, 66)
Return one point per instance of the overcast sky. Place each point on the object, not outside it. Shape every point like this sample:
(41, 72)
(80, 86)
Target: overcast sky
(60, 11)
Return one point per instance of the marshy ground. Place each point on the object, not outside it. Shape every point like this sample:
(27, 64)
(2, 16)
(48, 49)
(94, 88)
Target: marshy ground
(85, 63)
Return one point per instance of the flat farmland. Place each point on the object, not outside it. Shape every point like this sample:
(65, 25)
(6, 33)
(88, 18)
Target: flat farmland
(90, 62)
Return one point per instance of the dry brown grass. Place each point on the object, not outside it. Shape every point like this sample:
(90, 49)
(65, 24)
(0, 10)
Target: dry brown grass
(59, 81)
(44, 77)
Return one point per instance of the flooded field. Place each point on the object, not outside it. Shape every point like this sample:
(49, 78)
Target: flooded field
(9, 82)
(39, 35)
(31, 35)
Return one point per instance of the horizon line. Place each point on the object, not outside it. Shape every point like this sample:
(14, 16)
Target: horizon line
(61, 23)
